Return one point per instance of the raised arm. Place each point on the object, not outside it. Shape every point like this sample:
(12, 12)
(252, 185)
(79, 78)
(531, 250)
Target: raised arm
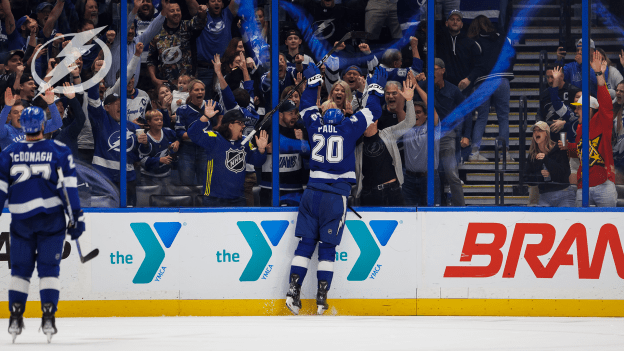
(156, 25)
(234, 7)
(54, 15)
(9, 20)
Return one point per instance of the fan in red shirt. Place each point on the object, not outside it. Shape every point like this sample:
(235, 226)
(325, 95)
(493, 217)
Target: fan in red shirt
(602, 191)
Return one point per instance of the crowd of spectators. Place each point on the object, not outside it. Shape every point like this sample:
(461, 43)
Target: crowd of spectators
(197, 85)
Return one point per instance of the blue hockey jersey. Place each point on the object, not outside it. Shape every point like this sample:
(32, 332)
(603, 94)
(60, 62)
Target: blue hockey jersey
(332, 159)
(10, 134)
(107, 140)
(153, 151)
(186, 115)
(227, 161)
(29, 179)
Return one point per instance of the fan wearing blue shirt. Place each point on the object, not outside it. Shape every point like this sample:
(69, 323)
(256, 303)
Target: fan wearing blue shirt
(214, 39)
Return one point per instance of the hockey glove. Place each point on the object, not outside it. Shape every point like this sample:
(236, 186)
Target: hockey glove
(377, 82)
(313, 75)
(76, 230)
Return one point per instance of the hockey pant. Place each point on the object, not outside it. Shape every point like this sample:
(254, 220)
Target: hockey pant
(31, 244)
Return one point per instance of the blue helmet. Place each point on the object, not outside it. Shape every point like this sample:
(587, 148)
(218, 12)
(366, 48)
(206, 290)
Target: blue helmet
(32, 119)
(333, 116)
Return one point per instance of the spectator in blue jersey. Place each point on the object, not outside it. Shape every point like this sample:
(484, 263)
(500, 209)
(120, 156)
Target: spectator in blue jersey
(8, 34)
(392, 60)
(105, 122)
(573, 72)
(72, 125)
(12, 133)
(227, 157)
(193, 159)
(47, 15)
(214, 39)
(323, 206)
(335, 64)
(133, 38)
(158, 155)
(493, 45)
(26, 29)
(241, 99)
(293, 149)
(286, 74)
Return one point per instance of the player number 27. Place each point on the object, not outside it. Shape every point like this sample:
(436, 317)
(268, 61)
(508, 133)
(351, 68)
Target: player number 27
(25, 171)
(334, 150)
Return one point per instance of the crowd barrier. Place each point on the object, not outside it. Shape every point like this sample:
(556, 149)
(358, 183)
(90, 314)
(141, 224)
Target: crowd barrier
(234, 262)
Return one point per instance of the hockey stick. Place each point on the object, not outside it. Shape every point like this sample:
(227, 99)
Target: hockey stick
(91, 255)
(268, 116)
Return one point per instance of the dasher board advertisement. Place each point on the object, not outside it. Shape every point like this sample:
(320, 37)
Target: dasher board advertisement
(247, 255)
(525, 255)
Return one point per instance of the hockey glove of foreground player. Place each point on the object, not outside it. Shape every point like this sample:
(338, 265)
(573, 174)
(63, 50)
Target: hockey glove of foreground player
(377, 82)
(76, 230)
(313, 75)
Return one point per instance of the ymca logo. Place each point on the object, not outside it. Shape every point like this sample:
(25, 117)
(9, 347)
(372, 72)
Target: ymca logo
(260, 250)
(369, 250)
(154, 253)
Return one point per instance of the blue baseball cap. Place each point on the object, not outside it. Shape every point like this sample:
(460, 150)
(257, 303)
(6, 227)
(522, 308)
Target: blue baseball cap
(352, 68)
(42, 6)
(20, 22)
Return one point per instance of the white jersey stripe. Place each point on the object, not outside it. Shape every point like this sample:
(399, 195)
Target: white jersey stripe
(70, 182)
(110, 164)
(368, 115)
(33, 204)
(4, 186)
(325, 175)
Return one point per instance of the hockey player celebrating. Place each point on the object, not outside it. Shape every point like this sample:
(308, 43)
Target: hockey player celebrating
(323, 206)
(29, 179)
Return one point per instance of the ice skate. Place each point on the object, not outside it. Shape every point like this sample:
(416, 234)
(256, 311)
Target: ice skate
(16, 320)
(321, 297)
(48, 323)
(293, 302)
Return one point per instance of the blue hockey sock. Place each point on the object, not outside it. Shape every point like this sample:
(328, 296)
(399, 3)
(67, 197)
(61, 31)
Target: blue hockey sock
(299, 266)
(49, 290)
(327, 255)
(18, 291)
(303, 253)
(325, 272)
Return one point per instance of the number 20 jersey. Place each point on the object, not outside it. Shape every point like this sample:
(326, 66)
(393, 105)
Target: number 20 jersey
(28, 177)
(332, 159)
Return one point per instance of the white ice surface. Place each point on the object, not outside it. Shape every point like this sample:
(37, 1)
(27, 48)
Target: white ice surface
(323, 333)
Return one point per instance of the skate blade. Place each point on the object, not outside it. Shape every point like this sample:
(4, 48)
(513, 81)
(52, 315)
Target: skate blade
(49, 335)
(294, 309)
(321, 309)
(14, 336)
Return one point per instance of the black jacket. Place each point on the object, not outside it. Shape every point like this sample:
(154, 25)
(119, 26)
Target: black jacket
(557, 164)
(459, 54)
(492, 45)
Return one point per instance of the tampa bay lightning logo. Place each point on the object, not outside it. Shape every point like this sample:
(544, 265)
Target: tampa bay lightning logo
(171, 55)
(113, 141)
(215, 26)
(324, 29)
(235, 160)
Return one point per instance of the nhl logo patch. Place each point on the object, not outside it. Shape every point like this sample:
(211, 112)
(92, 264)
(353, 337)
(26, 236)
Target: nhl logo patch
(235, 160)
